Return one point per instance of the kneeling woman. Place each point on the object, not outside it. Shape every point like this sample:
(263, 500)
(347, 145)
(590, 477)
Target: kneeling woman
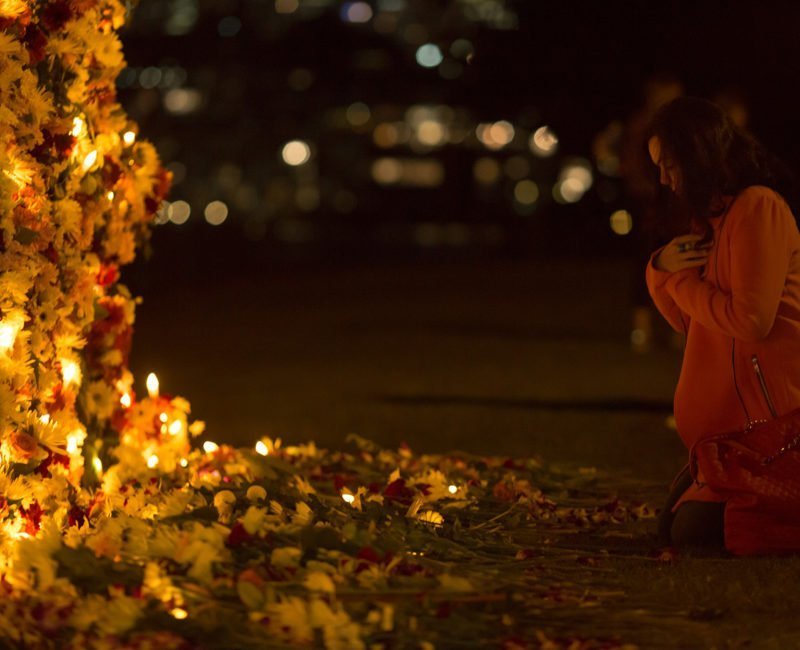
(732, 285)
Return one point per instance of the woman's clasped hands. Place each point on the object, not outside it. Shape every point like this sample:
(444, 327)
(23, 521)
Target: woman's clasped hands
(683, 252)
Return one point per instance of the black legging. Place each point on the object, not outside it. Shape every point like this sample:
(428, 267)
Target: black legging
(695, 523)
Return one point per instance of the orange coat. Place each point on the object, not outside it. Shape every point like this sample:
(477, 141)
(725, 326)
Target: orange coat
(741, 314)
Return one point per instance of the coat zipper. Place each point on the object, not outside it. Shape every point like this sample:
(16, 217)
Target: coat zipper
(763, 383)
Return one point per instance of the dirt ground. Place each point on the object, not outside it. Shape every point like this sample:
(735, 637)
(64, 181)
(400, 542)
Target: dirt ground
(506, 358)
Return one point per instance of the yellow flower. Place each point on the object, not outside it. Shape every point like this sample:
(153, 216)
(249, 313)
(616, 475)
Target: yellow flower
(101, 399)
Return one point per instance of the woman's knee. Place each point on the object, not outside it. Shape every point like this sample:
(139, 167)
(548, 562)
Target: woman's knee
(699, 524)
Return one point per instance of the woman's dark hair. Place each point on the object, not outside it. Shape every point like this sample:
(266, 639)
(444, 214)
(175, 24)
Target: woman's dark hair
(715, 158)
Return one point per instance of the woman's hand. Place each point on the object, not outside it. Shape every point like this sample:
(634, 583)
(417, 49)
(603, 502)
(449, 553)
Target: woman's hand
(684, 252)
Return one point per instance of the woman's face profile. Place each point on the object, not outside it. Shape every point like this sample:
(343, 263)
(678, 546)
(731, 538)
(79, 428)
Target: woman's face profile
(668, 170)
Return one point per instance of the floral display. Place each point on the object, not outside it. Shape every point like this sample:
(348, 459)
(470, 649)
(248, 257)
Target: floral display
(119, 526)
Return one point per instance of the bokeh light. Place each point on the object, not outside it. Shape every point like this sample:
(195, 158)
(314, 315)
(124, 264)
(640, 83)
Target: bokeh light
(568, 190)
(296, 153)
(179, 212)
(544, 142)
(495, 135)
(429, 55)
(486, 171)
(621, 222)
(526, 192)
(229, 26)
(431, 133)
(182, 101)
(358, 114)
(356, 12)
(387, 171)
(286, 6)
(216, 213)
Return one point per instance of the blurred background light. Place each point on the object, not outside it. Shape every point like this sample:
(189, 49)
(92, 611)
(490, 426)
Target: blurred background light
(216, 213)
(150, 77)
(544, 142)
(429, 55)
(296, 153)
(621, 222)
(182, 101)
(526, 192)
(387, 171)
(286, 6)
(229, 26)
(495, 135)
(179, 212)
(486, 171)
(356, 12)
(358, 114)
(431, 133)
(182, 17)
(568, 190)
(461, 48)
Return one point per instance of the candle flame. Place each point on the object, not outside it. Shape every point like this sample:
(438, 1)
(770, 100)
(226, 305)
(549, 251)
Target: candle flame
(78, 127)
(129, 138)
(262, 448)
(90, 160)
(126, 400)
(210, 447)
(152, 385)
(8, 334)
(70, 371)
(152, 461)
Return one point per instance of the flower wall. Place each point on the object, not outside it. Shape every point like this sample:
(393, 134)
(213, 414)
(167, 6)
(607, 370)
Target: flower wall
(78, 192)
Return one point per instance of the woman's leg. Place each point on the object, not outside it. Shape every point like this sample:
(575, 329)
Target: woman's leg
(680, 484)
(699, 524)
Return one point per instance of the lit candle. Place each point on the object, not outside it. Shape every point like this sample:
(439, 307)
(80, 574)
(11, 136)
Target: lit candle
(90, 160)
(70, 372)
(262, 448)
(152, 385)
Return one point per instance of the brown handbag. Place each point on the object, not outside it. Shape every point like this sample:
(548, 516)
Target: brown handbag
(763, 460)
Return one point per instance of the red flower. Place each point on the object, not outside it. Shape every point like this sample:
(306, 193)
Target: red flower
(107, 275)
(52, 459)
(76, 516)
(33, 515)
(397, 491)
(35, 41)
(238, 535)
(111, 173)
(56, 14)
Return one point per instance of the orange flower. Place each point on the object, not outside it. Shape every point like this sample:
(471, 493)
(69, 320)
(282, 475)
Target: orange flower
(22, 445)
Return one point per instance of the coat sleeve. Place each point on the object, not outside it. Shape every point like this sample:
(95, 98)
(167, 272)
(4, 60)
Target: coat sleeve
(760, 226)
(664, 302)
